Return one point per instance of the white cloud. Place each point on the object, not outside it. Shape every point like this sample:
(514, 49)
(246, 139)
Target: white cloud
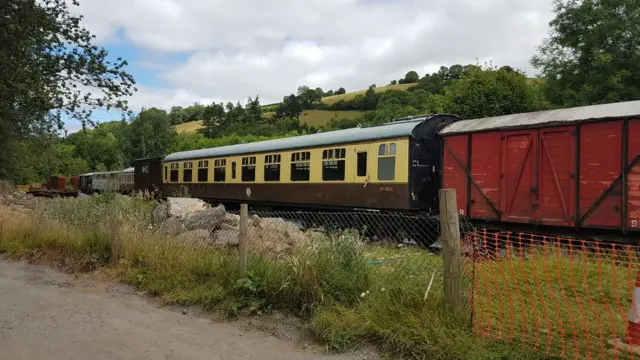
(242, 48)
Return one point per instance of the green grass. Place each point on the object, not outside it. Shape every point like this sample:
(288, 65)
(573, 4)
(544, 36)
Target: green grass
(351, 95)
(347, 292)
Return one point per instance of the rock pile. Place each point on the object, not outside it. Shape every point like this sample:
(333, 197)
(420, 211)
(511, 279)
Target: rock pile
(196, 222)
(18, 200)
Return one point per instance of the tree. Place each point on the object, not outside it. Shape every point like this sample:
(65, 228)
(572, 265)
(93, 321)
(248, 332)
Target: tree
(431, 83)
(289, 108)
(103, 145)
(302, 89)
(370, 99)
(593, 53)
(490, 92)
(213, 119)
(309, 97)
(411, 77)
(393, 82)
(253, 111)
(151, 133)
(320, 92)
(341, 91)
(50, 68)
(177, 115)
(193, 112)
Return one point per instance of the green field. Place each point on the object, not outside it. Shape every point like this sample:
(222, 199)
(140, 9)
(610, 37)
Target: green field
(309, 117)
(322, 117)
(189, 127)
(351, 95)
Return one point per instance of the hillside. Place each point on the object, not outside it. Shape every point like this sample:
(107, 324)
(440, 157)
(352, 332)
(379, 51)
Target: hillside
(189, 127)
(351, 95)
(309, 117)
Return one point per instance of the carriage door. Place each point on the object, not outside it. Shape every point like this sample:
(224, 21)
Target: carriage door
(423, 177)
(521, 196)
(361, 175)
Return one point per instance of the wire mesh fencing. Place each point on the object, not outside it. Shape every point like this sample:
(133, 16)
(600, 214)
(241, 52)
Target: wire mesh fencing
(385, 252)
(563, 297)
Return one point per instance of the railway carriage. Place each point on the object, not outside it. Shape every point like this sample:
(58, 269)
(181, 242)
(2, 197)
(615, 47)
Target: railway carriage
(395, 166)
(576, 169)
(125, 180)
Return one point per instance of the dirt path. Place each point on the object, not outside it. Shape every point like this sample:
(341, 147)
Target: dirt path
(45, 314)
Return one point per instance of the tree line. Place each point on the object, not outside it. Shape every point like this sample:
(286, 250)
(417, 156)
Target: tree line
(54, 71)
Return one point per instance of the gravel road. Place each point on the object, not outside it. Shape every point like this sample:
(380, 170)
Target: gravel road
(46, 314)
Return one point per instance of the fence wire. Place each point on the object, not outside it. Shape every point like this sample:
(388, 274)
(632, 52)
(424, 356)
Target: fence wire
(396, 252)
(563, 297)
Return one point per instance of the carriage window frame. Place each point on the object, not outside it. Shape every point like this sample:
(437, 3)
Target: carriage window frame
(272, 167)
(220, 170)
(187, 169)
(301, 166)
(387, 162)
(248, 170)
(333, 164)
(203, 171)
(175, 172)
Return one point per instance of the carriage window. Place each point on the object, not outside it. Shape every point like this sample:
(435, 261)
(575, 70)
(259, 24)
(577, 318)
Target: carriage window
(175, 168)
(362, 164)
(233, 170)
(203, 170)
(333, 164)
(187, 171)
(166, 172)
(220, 170)
(387, 161)
(272, 167)
(249, 168)
(300, 166)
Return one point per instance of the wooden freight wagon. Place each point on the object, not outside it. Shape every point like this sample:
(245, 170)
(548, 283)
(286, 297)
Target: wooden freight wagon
(577, 168)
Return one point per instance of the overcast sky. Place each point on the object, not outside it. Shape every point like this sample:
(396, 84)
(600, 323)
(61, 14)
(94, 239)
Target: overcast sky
(183, 51)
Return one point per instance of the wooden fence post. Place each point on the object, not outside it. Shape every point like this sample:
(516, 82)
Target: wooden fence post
(450, 236)
(243, 239)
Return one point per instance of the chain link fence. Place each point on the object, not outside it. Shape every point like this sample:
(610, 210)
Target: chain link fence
(384, 251)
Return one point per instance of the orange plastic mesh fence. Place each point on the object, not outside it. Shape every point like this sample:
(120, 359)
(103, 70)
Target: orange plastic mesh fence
(563, 297)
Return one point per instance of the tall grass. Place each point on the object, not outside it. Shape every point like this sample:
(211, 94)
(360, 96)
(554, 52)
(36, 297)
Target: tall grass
(348, 293)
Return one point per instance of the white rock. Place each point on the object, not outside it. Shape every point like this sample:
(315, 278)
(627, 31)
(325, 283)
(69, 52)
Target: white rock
(183, 207)
(208, 219)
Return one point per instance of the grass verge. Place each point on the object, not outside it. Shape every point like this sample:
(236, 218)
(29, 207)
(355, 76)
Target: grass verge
(348, 293)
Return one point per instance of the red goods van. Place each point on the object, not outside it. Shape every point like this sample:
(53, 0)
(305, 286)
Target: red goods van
(576, 167)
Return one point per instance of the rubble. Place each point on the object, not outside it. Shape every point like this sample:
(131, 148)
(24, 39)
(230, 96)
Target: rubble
(172, 226)
(208, 219)
(196, 237)
(193, 221)
(226, 235)
(18, 200)
(183, 207)
(160, 214)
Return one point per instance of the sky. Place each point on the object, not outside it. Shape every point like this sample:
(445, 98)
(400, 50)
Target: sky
(186, 51)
